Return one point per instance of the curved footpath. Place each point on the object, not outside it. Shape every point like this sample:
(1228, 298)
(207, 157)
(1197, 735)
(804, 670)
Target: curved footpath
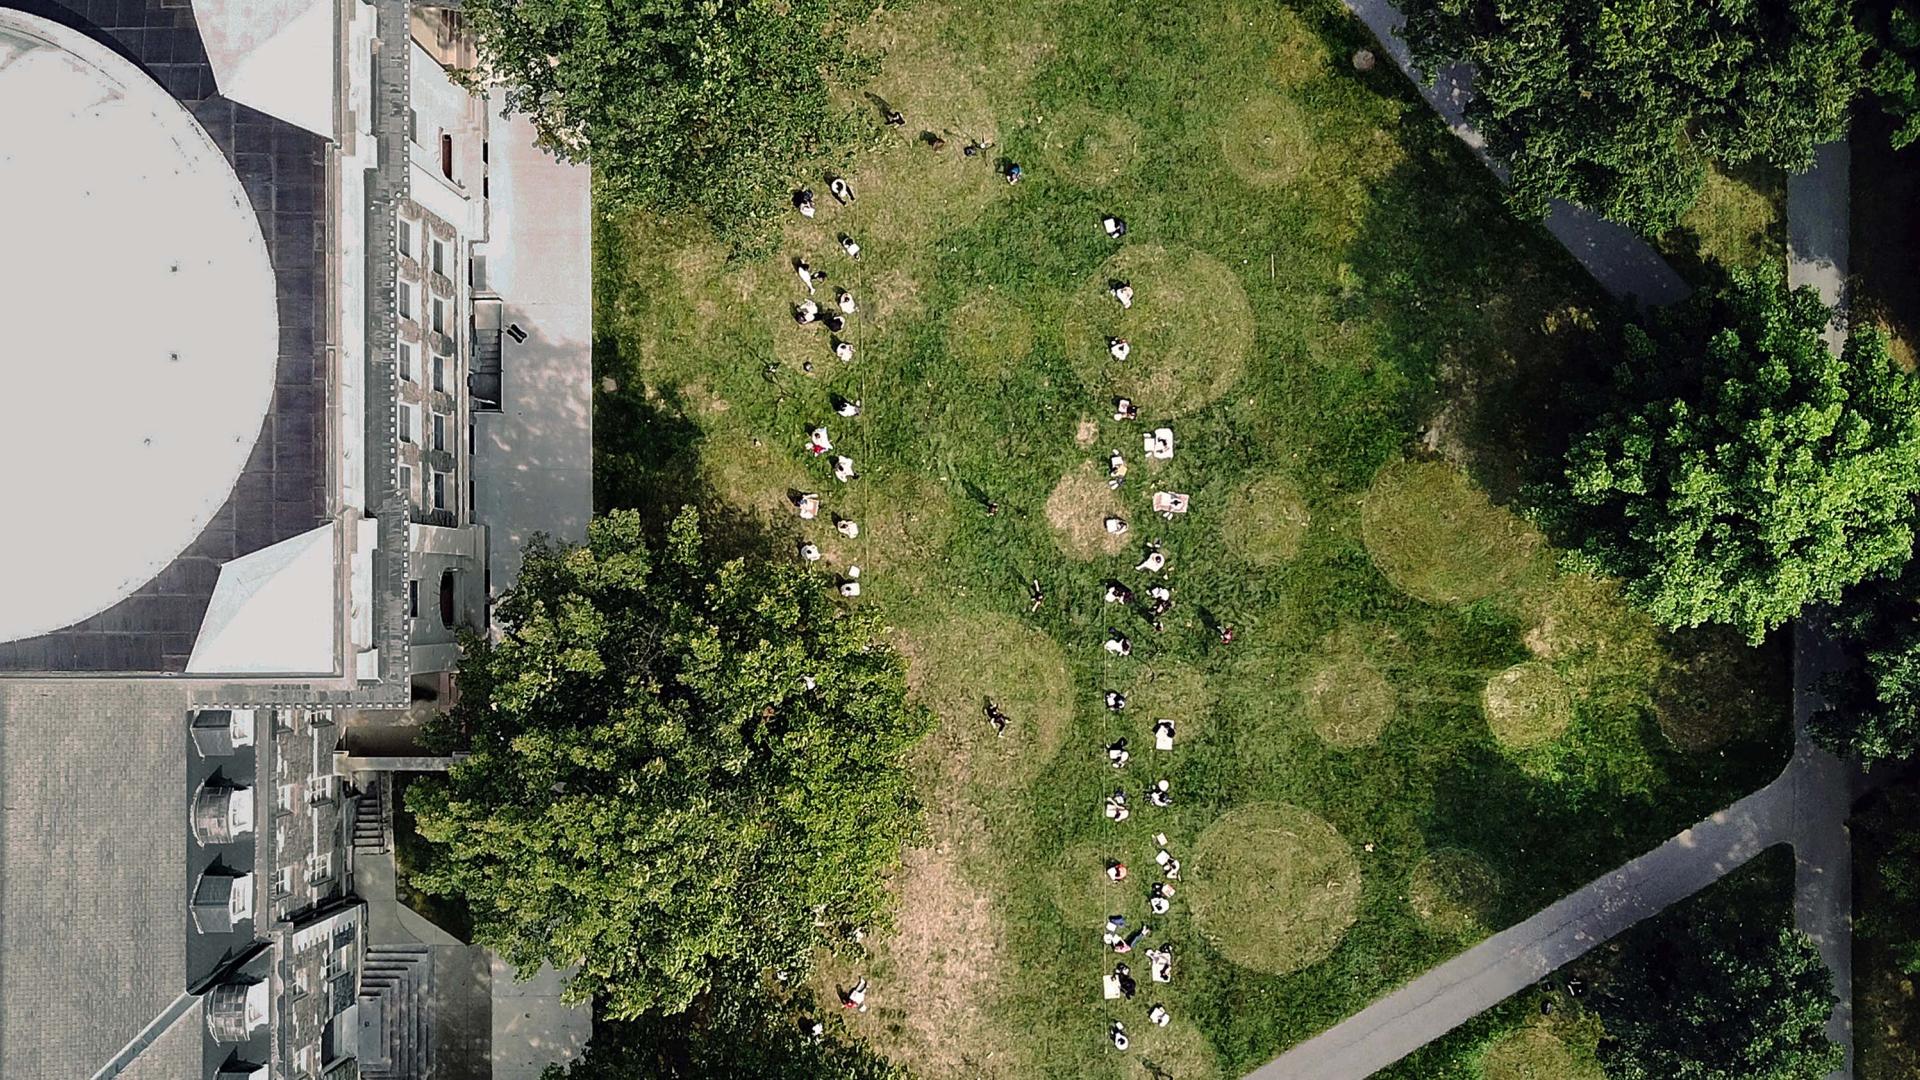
(1806, 806)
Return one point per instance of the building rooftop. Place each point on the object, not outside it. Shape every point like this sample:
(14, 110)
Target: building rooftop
(153, 334)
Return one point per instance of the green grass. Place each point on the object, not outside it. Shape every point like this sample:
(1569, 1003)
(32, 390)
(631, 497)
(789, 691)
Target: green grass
(1739, 221)
(1328, 287)
(1886, 1007)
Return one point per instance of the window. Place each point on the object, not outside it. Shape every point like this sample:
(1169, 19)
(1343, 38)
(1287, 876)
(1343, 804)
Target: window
(405, 301)
(413, 599)
(439, 491)
(439, 258)
(322, 789)
(439, 316)
(319, 866)
(413, 124)
(446, 155)
(406, 481)
(283, 881)
(409, 422)
(440, 373)
(439, 431)
(406, 238)
(406, 362)
(283, 798)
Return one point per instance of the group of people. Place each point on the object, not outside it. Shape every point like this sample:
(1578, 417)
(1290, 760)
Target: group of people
(807, 312)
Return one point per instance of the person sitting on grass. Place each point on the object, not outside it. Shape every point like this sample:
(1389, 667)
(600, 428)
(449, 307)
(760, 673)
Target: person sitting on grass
(1114, 227)
(806, 311)
(1116, 870)
(1115, 942)
(841, 190)
(1116, 526)
(1155, 561)
(1160, 898)
(845, 300)
(1162, 599)
(803, 202)
(1161, 794)
(847, 528)
(1122, 292)
(1160, 962)
(810, 552)
(1035, 594)
(1125, 409)
(1119, 348)
(1116, 470)
(817, 441)
(835, 324)
(1116, 701)
(849, 589)
(1127, 986)
(1169, 865)
(855, 998)
(843, 468)
(847, 245)
(1013, 172)
(1117, 755)
(1163, 734)
(1118, 1033)
(808, 504)
(1118, 593)
(845, 407)
(843, 350)
(1117, 643)
(805, 274)
(1117, 807)
(1157, 1014)
(997, 718)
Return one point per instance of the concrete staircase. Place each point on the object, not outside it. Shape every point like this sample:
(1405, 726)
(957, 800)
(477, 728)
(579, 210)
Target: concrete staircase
(373, 815)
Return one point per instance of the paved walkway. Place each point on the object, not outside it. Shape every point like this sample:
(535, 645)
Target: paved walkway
(1818, 242)
(1619, 260)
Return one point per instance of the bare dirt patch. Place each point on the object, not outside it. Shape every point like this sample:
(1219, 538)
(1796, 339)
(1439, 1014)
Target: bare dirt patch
(1266, 522)
(1086, 432)
(955, 662)
(1440, 539)
(1078, 508)
(1348, 701)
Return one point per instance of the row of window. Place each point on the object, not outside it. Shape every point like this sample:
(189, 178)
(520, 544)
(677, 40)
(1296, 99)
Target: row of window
(437, 311)
(409, 425)
(410, 372)
(440, 482)
(436, 249)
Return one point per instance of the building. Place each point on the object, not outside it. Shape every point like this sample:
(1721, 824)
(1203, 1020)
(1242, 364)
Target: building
(299, 355)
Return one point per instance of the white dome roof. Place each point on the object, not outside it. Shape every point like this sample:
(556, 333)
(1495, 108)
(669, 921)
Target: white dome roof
(138, 333)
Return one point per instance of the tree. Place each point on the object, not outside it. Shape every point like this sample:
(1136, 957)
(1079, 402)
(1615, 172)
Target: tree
(1619, 105)
(1891, 75)
(1742, 470)
(678, 770)
(1714, 1001)
(738, 1034)
(683, 106)
(1873, 706)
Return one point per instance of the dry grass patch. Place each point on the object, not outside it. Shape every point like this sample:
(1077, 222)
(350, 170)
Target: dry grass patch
(1267, 142)
(1274, 887)
(1190, 326)
(1437, 537)
(1266, 522)
(956, 662)
(1454, 892)
(1348, 701)
(1078, 508)
(1527, 705)
(1534, 1053)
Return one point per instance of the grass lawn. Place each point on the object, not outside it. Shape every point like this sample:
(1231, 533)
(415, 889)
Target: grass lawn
(1421, 732)
(1739, 221)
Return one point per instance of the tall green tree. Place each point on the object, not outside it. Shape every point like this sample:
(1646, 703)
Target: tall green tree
(679, 769)
(1873, 705)
(1619, 105)
(1742, 470)
(741, 1033)
(1891, 74)
(1717, 1001)
(706, 107)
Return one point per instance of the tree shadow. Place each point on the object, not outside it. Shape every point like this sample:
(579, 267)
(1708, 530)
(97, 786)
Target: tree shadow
(647, 451)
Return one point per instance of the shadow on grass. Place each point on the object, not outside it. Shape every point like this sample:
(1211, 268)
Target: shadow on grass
(646, 458)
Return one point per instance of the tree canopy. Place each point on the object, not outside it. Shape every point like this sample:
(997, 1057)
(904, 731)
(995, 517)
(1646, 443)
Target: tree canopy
(1743, 471)
(1716, 1001)
(679, 770)
(739, 1034)
(683, 106)
(1891, 74)
(1873, 706)
(1619, 105)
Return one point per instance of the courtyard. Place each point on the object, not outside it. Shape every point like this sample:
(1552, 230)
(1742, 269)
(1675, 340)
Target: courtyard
(1421, 729)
